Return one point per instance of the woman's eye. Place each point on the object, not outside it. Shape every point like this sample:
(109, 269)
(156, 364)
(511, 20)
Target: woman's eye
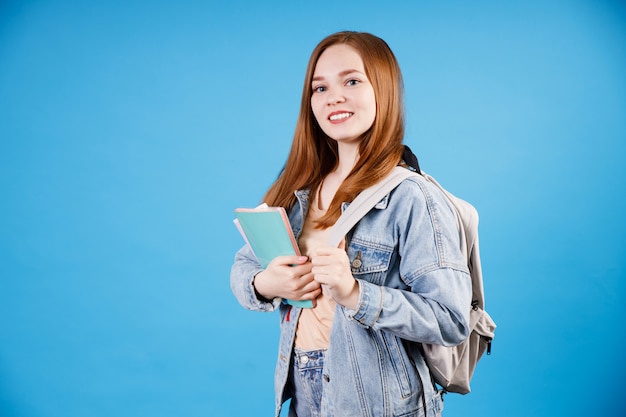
(319, 89)
(352, 82)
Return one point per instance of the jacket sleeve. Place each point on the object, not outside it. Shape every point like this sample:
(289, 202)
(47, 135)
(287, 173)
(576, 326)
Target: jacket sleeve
(434, 304)
(242, 273)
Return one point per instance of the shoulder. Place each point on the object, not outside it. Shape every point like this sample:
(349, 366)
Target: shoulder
(419, 189)
(417, 193)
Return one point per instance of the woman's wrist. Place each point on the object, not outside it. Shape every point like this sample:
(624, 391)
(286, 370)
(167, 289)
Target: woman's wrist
(260, 292)
(351, 299)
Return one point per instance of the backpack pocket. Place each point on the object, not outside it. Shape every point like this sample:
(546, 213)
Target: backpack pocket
(452, 367)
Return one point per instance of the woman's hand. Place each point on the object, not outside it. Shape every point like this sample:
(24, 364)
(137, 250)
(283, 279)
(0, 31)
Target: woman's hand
(287, 277)
(331, 267)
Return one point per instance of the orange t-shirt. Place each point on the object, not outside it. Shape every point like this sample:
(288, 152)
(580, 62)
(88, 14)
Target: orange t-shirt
(314, 324)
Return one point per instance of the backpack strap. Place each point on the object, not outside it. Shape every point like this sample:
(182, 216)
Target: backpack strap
(364, 202)
(409, 158)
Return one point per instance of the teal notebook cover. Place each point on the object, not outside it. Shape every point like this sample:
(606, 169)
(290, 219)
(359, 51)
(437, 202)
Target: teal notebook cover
(268, 233)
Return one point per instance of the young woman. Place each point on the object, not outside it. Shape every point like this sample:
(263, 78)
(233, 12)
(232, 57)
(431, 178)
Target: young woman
(398, 280)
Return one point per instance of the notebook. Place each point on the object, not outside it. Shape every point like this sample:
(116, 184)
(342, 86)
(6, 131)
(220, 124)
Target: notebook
(268, 233)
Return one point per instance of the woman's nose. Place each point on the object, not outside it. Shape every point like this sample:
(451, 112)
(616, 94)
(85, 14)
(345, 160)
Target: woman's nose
(335, 97)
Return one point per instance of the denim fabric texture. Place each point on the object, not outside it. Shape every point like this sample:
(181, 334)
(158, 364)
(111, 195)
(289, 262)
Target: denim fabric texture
(414, 287)
(306, 383)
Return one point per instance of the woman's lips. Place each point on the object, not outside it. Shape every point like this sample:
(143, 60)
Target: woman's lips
(339, 116)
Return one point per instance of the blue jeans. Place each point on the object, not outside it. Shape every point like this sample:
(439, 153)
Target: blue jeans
(306, 383)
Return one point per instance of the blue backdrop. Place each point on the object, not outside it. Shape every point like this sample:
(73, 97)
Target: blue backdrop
(129, 131)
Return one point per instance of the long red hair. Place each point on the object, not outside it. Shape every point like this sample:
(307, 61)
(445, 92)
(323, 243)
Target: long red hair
(313, 154)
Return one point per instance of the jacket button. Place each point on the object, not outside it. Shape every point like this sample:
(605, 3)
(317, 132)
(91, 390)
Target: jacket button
(326, 377)
(356, 264)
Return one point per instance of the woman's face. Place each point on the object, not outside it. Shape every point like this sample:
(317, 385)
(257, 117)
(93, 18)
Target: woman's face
(342, 100)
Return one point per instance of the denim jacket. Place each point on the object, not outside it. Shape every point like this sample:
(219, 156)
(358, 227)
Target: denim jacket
(414, 287)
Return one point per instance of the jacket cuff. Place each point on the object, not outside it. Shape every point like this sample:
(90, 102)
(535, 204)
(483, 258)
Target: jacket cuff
(369, 306)
(257, 300)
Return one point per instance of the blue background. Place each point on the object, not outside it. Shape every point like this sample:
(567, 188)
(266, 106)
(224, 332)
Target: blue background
(129, 131)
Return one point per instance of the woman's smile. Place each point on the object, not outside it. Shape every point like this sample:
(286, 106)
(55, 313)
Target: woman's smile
(339, 116)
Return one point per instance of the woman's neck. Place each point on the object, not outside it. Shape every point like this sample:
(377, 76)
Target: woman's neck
(348, 155)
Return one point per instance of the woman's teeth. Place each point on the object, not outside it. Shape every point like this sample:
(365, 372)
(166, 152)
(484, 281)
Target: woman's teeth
(340, 116)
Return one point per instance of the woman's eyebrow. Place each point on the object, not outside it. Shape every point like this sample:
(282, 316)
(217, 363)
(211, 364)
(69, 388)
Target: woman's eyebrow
(341, 74)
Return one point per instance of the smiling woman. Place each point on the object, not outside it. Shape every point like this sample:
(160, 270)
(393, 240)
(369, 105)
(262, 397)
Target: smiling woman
(130, 130)
(384, 289)
(343, 100)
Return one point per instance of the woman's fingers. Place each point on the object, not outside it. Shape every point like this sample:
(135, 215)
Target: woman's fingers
(283, 278)
(289, 260)
(331, 267)
(331, 262)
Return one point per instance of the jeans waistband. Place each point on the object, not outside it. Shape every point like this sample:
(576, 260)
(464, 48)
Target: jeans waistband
(308, 359)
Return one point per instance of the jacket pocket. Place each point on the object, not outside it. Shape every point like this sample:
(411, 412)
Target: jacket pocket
(369, 261)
